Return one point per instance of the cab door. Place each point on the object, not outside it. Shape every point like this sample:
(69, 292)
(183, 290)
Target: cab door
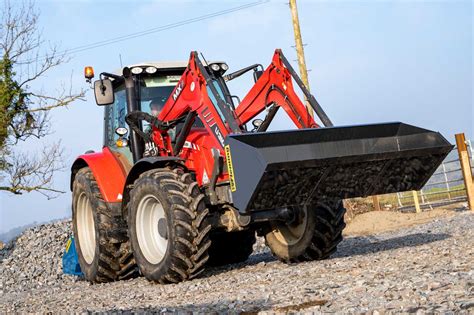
(115, 118)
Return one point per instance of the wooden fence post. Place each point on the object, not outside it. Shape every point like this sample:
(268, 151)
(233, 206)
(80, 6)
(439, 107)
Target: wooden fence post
(375, 200)
(415, 199)
(466, 168)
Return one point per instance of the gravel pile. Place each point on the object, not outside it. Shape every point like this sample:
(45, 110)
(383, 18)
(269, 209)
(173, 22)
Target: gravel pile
(34, 259)
(422, 269)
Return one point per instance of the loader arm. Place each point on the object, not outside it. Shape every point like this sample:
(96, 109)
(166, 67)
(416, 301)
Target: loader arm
(197, 92)
(275, 88)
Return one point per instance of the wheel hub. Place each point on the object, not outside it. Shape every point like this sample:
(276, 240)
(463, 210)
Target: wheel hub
(162, 228)
(152, 230)
(289, 233)
(85, 227)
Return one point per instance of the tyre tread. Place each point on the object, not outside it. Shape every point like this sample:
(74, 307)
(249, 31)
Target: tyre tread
(190, 222)
(115, 261)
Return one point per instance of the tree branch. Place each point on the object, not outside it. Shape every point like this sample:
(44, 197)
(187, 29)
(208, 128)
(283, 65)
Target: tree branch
(33, 172)
(23, 112)
(57, 102)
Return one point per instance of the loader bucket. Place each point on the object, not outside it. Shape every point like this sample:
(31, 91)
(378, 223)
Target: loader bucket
(272, 170)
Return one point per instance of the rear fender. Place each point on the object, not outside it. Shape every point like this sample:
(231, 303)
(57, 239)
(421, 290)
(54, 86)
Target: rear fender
(108, 173)
(142, 166)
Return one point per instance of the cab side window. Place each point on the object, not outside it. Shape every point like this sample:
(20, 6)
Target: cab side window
(115, 116)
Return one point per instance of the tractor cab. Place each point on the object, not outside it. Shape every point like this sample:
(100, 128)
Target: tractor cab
(153, 84)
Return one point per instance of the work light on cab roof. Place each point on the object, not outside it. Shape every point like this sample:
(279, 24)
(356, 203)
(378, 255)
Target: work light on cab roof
(139, 70)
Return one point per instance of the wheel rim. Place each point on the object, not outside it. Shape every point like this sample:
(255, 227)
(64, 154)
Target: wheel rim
(290, 234)
(85, 227)
(152, 243)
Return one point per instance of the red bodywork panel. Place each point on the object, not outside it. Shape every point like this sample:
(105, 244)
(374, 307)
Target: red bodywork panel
(197, 155)
(108, 173)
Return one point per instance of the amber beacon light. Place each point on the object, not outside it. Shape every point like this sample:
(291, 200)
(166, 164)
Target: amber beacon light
(88, 73)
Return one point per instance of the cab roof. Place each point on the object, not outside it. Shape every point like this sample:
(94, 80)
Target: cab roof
(164, 65)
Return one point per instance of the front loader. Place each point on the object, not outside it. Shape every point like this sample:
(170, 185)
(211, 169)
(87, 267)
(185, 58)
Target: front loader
(190, 185)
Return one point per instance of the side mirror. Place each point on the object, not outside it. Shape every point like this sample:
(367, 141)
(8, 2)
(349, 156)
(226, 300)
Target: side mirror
(104, 94)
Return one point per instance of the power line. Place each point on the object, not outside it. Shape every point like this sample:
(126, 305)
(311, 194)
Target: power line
(152, 30)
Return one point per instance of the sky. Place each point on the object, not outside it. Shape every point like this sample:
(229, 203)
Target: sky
(369, 61)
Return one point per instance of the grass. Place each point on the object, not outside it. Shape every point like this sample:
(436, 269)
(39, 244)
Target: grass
(406, 198)
(433, 195)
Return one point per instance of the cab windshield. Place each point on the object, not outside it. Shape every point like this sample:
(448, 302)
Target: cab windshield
(155, 90)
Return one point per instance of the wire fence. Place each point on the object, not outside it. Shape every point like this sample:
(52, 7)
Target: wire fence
(445, 186)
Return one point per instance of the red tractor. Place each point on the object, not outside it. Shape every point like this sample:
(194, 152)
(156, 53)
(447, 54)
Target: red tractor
(184, 180)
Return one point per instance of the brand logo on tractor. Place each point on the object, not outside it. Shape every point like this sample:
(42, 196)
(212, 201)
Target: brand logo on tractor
(219, 135)
(179, 89)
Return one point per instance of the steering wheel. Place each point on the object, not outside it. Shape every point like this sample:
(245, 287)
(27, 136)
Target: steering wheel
(134, 117)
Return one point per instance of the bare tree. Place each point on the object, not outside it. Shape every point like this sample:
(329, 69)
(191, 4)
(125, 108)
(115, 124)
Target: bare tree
(26, 56)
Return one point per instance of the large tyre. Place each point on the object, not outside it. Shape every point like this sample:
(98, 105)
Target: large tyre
(169, 225)
(231, 247)
(314, 237)
(100, 235)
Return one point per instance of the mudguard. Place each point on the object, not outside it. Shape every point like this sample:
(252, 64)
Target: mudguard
(146, 164)
(107, 170)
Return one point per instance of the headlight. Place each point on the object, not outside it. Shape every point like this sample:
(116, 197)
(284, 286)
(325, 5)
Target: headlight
(137, 70)
(150, 70)
(224, 66)
(215, 67)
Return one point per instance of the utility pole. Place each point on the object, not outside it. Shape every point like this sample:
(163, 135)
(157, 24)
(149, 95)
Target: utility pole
(300, 50)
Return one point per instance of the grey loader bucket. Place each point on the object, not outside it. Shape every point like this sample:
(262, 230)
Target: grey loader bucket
(273, 170)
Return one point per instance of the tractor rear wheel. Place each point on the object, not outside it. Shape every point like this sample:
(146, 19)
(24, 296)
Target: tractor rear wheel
(168, 225)
(100, 235)
(314, 236)
(231, 247)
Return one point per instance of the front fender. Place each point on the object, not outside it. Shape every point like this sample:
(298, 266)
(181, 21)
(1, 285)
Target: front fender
(149, 163)
(144, 165)
(108, 173)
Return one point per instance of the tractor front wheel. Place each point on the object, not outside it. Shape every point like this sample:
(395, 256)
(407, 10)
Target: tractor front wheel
(314, 236)
(168, 225)
(100, 234)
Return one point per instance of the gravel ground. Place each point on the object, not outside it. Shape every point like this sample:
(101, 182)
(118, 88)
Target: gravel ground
(423, 269)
